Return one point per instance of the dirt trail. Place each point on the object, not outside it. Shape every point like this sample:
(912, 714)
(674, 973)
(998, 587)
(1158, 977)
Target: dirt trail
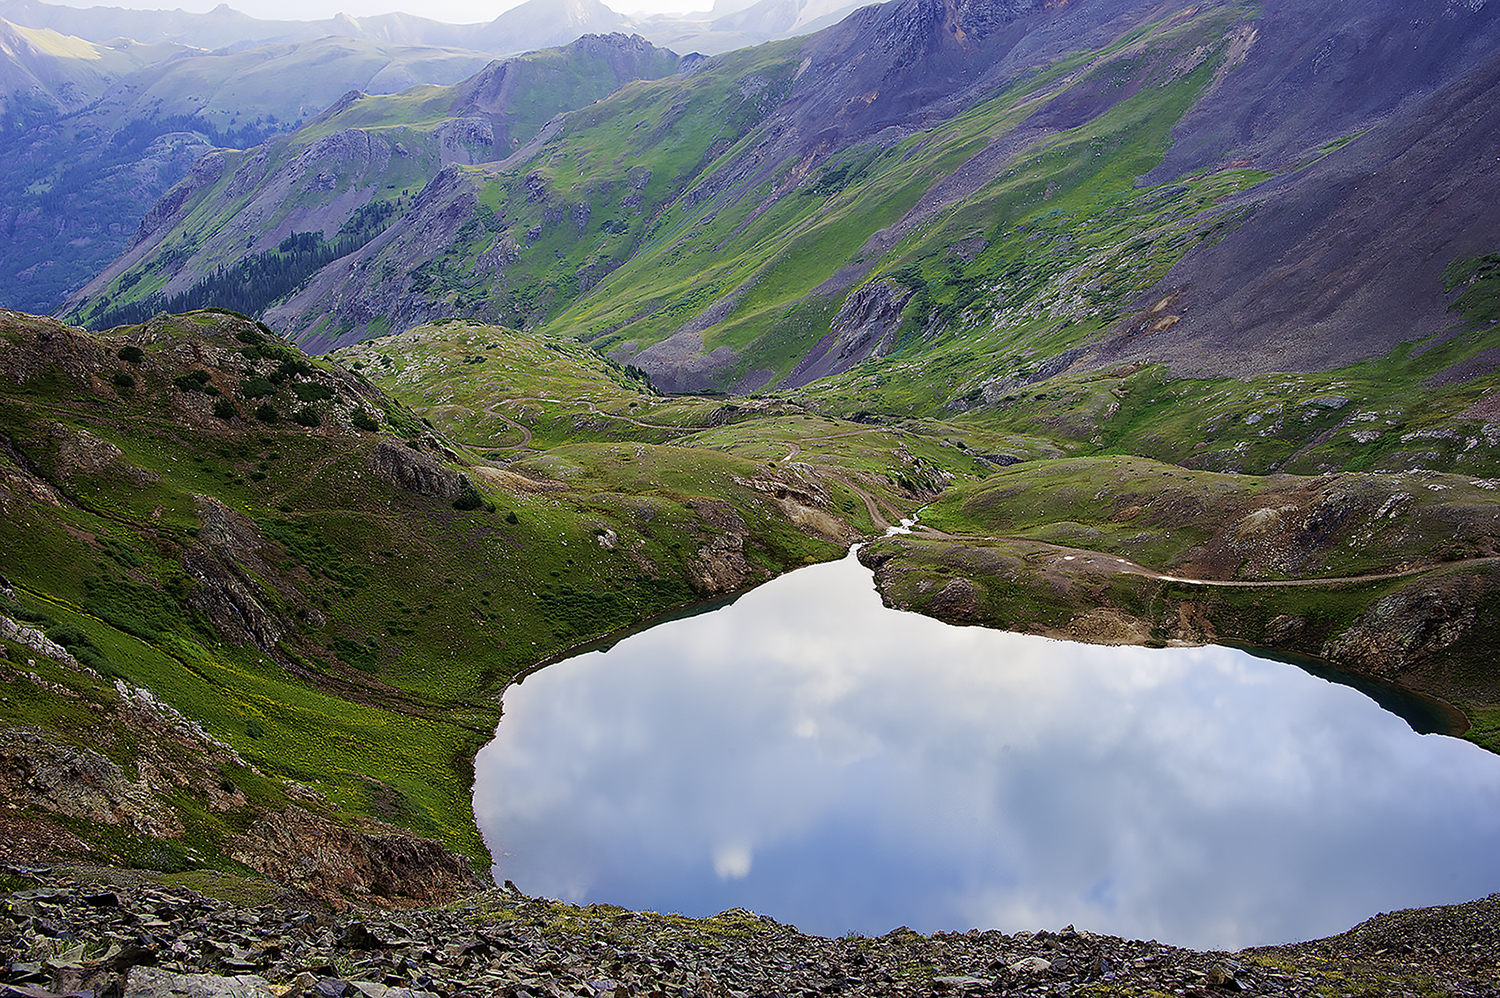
(1100, 560)
(525, 430)
(596, 411)
(871, 503)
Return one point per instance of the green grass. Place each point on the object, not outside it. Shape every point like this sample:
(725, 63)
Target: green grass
(1161, 515)
(388, 621)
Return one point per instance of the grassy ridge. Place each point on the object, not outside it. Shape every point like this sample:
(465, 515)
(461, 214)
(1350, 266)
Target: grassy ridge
(263, 576)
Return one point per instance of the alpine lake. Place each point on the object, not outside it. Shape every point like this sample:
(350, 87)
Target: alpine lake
(804, 752)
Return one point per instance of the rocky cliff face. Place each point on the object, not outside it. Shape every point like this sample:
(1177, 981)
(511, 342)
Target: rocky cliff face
(336, 863)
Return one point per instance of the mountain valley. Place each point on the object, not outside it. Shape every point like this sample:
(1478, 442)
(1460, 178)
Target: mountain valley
(413, 373)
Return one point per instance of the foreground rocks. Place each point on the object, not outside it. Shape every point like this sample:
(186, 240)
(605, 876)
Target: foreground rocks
(77, 933)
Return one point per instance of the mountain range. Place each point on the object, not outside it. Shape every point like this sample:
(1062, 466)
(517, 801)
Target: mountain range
(102, 110)
(1338, 163)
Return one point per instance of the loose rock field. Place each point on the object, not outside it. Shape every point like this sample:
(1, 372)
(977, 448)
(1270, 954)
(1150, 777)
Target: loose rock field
(104, 933)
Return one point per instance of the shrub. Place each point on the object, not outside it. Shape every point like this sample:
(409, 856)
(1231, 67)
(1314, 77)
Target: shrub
(256, 388)
(364, 421)
(131, 354)
(225, 409)
(195, 381)
(266, 413)
(82, 648)
(311, 391)
(468, 497)
(307, 416)
(123, 380)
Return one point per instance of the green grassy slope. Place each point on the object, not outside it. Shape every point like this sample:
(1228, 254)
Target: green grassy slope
(205, 512)
(345, 175)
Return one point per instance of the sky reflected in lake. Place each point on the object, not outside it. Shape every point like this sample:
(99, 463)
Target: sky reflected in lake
(809, 754)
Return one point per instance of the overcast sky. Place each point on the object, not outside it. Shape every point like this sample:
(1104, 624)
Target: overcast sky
(453, 11)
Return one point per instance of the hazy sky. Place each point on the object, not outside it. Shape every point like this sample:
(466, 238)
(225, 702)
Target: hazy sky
(454, 11)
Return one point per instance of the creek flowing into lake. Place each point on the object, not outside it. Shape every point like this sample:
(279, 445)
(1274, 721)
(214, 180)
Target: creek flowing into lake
(809, 754)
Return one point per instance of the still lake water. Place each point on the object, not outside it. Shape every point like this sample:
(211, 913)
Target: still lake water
(811, 755)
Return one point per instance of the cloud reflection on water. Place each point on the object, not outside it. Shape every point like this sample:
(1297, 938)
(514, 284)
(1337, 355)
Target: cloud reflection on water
(809, 754)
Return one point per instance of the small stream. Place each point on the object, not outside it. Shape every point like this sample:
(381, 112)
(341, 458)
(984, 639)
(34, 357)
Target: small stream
(806, 753)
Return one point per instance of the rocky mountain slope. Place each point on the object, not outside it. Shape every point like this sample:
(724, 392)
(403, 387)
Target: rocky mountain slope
(346, 176)
(501, 942)
(80, 174)
(99, 125)
(1345, 257)
(1277, 188)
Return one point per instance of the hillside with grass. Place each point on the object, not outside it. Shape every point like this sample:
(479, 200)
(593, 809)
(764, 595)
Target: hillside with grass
(1042, 188)
(321, 573)
(327, 585)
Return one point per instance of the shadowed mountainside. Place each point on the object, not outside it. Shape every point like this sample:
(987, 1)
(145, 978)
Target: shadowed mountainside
(1344, 259)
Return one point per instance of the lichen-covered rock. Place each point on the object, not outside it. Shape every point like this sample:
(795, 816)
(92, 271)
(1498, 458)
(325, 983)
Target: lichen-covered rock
(39, 769)
(1404, 628)
(866, 325)
(34, 639)
(225, 563)
(719, 565)
(153, 982)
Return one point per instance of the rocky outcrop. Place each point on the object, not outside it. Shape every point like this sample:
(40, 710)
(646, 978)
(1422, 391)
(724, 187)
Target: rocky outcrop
(334, 862)
(719, 565)
(30, 637)
(38, 769)
(33, 346)
(205, 173)
(466, 141)
(866, 325)
(144, 758)
(79, 452)
(415, 471)
(231, 601)
(1407, 628)
(225, 563)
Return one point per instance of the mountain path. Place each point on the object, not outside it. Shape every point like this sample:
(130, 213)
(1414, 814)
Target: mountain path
(1123, 566)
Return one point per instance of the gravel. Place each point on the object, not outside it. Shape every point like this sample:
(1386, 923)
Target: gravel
(69, 932)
